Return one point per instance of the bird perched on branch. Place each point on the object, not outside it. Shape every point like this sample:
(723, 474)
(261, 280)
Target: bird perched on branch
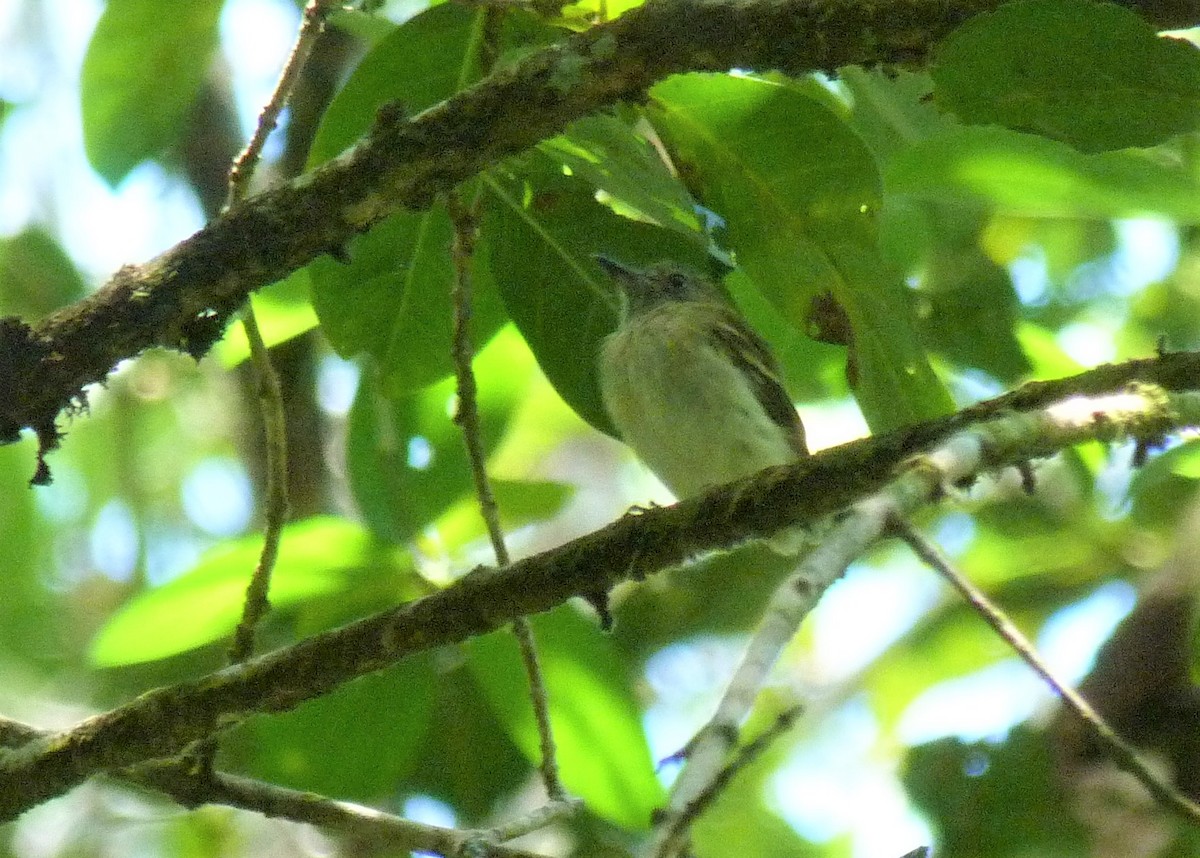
(690, 387)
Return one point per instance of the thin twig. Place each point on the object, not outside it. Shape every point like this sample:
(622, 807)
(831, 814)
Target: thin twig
(1120, 751)
(177, 780)
(467, 417)
(535, 820)
(270, 395)
(269, 387)
(270, 390)
(792, 601)
(744, 757)
(313, 22)
(362, 823)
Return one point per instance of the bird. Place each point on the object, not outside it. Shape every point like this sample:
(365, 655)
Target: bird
(689, 385)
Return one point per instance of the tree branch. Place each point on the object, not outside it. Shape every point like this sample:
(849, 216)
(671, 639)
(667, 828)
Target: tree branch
(182, 298)
(163, 721)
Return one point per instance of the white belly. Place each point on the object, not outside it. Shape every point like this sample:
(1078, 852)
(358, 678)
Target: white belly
(684, 409)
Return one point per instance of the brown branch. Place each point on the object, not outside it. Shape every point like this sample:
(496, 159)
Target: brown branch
(466, 415)
(745, 755)
(182, 298)
(177, 780)
(164, 721)
(270, 391)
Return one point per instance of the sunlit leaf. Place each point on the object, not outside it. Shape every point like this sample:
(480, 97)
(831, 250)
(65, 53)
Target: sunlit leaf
(1033, 176)
(607, 154)
(1187, 463)
(406, 458)
(283, 311)
(798, 191)
(1165, 487)
(519, 502)
(1047, 356)
(205, 604)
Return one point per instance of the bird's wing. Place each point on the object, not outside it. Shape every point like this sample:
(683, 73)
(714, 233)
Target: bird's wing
(753, 358)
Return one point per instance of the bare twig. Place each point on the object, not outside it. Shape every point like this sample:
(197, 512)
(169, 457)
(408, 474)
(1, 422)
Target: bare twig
(467, 417)
(792, 601)
(270, 391)
(535, 820)
(746, 755)
(313, 22)
(179, 781)
(270, 396)
(363, 823)
(1121, 752)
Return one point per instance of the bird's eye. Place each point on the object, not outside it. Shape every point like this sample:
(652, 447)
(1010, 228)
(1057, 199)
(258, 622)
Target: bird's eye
(676, 284)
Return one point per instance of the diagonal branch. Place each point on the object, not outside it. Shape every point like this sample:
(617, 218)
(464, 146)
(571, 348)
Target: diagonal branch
(182, 298)
(1121, 752)
(163, 721)
(925, 479)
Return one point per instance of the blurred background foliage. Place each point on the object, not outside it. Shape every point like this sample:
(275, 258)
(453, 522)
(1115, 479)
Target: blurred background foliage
(908, 241)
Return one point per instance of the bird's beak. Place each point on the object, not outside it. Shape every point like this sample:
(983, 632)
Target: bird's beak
(623, 275)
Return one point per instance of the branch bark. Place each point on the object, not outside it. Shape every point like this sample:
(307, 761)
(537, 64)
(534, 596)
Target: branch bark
(164, 721)
(182, 298)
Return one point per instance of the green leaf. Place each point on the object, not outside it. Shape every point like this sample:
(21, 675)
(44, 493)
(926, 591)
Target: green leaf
(798, 191)
(37, 275)
(1094, 75)
(143, 67)
(519, 502)
(602, 752)
(1031, 176)
(1044, 352)
(358, 742)
(890, 110)
(205, 604)
(406, 459)
(607, 154)
(996, 799)
(1164, 488)
(393, 300)
(283, 311)
(969, 308)
(32, 623)
(1026, 539)
(1188, 462)
(543, 229)
(468, 760)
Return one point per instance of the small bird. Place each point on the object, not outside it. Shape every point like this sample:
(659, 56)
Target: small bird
(690, 387)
